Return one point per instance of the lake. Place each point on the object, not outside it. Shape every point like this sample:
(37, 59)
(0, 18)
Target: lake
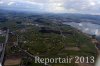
(86, 27)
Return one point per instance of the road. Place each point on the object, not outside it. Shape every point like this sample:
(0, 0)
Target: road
(4, 47)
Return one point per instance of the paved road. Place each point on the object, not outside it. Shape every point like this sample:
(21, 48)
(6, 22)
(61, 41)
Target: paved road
(4, 47)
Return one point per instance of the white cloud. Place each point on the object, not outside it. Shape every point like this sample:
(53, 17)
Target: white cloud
(55, 7)
(80, 24)
(56, 1)
(96, 32)
(86, 29)
(11, 3)
(32, 2)
(92, 3)
(1, 2)
(69, 6)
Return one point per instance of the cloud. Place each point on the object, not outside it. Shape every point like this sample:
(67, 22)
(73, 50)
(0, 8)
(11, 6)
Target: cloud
(11, 3)
(83, 6)
(1, 2)
(56, 6)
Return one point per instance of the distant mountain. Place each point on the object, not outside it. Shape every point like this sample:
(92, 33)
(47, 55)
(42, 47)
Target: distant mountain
(82, 18)
(65, 17)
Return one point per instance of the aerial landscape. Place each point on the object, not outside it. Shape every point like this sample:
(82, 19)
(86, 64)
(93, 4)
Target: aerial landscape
(43, 33)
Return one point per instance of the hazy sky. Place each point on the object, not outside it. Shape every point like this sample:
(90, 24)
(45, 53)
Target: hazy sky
(55, 6)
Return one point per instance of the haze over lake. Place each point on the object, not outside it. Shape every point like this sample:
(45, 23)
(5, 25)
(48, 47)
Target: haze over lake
(89, 28)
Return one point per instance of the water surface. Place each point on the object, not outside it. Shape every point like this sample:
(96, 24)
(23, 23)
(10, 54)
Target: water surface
(86, 27)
